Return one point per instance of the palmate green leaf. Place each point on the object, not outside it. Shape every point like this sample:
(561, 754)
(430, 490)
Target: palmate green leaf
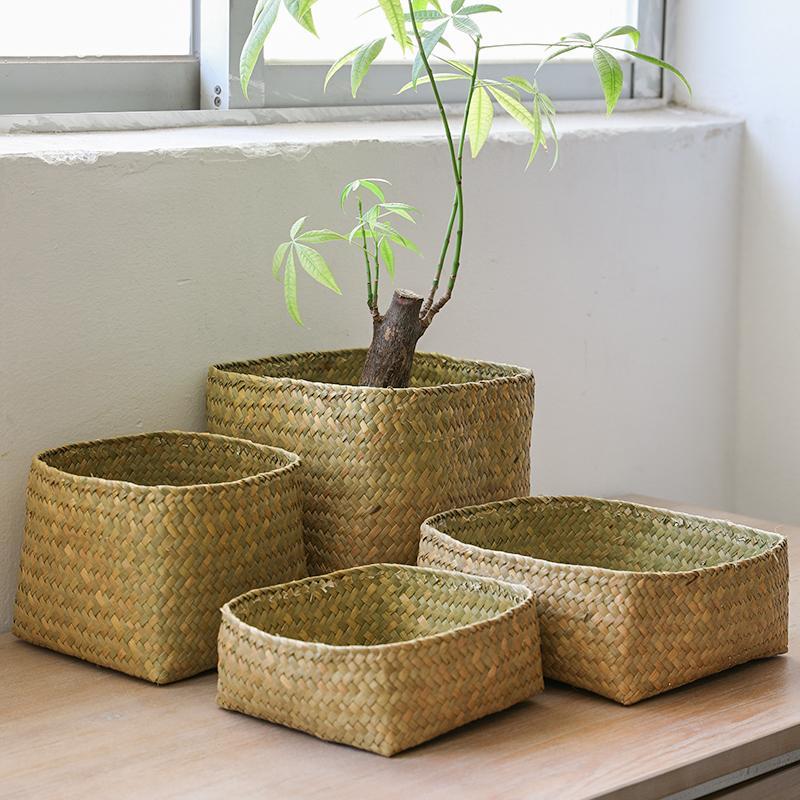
(554, 133)
(438, 76)
(538, 137)
(255, 41)
(520, 83)
(371, 217)
(386, 255)
(425, 16)
(558, 52)
(290, 288)
(257, 10)
(370, 184)
(363, 61)
(656, 62)
(429, 41)
(279, 258)
(479, 120)
(315, 265)
(579, 35)
(455, 6)
(480, 8)
(514, 108)
(467, 70)
(337, 65)
(401, 209)
(297, 226)
(611, 76)
(466, 25)
(394, 235)
(321, 235)
(424, 5)
(546, 103)
(393, 11)
(301, 11)
(622, 30)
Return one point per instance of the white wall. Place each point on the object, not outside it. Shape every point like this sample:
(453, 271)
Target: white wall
(132, 261)
(736, 54)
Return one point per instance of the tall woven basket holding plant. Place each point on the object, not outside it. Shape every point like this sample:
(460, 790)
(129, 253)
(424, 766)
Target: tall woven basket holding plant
(388, 436)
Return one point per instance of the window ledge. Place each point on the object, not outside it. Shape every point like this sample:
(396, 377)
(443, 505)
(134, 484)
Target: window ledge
(294, 137)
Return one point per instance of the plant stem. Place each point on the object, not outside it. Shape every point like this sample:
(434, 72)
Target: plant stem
(535, 44)
(372, 302)
(432, 309)
(459, 202)
(377, 274)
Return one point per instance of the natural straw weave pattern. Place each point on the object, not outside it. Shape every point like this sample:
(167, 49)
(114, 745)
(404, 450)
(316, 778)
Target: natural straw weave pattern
(131, 545)
(381, 657)
(376, 462)
(632, 600)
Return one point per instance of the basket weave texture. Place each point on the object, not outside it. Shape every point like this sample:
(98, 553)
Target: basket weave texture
(381, 657)
(376, 462)
(132, 544)
(632, 600)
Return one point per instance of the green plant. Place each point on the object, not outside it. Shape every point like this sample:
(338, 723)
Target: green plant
(420, 26)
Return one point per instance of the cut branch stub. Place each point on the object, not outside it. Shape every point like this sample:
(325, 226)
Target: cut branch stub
(394, 340)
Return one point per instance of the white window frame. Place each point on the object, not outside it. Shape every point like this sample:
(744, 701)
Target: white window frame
(225, 24)
(209, 78)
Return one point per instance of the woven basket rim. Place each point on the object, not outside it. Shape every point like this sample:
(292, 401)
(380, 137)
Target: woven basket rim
(231, 368)
(292, 462)
(524, 594)
(775, 541)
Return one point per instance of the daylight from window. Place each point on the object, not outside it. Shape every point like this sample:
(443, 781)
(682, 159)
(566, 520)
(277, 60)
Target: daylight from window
(52, 28)
(341, 27)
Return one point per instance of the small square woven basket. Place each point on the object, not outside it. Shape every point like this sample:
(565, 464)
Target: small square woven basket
(632, 600)
(132, 544)
(381, 657)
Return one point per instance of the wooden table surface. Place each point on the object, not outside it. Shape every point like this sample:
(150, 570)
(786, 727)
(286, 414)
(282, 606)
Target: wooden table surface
(72, 730)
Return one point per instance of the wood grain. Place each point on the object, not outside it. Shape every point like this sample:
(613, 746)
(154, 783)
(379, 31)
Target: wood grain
(72, 730)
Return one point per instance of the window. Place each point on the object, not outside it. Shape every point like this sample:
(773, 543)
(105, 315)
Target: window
(111, 55)
(96, 55)
(297, 61)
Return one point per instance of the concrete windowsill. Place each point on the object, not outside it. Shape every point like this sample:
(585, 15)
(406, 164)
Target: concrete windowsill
(248, 140)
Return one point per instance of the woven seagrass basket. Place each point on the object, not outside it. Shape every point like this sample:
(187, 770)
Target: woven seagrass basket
(381, 657)
(131, 545)
(632, 600)
(376, 462)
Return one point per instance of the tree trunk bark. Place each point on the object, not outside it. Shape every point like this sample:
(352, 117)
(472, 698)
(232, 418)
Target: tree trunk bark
(394, 340)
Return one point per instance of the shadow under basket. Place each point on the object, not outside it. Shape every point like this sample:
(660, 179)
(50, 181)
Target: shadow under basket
(376, 462)
(132, 545)
(381, 657)
(632, 600)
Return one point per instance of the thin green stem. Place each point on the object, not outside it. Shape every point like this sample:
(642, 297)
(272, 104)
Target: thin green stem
(433, 309)
(442, 114)
(537, 44)
(442, 256)
(371, 300)
(377, 273)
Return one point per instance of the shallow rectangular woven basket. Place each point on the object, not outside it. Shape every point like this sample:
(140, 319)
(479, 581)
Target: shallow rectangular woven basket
(381, 657)
(632, 600)
(131, 545)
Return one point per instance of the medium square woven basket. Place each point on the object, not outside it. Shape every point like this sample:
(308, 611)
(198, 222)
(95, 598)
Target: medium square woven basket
(632, 600)
(381, 657)
(131, 546)
(376, 462)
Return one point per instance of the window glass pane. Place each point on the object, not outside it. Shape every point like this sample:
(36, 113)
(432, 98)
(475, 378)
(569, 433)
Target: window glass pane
(341, 29)
(95, 27)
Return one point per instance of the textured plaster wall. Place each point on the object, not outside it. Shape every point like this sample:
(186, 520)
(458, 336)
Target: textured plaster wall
(724, 45)
(131, 261)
